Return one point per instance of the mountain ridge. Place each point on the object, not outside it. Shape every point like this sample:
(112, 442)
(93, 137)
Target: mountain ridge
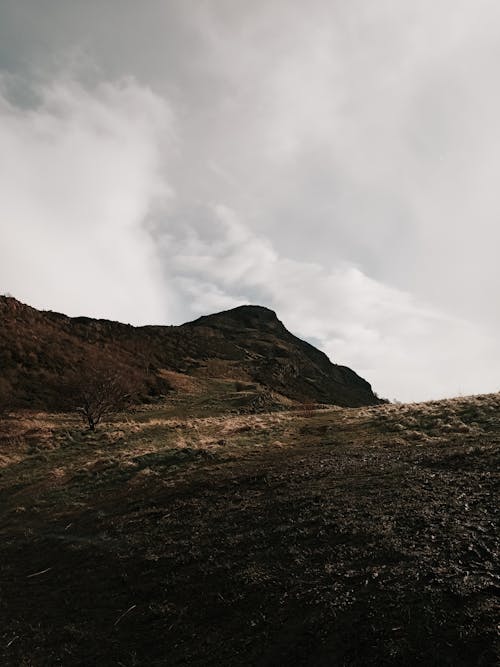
(247, 343)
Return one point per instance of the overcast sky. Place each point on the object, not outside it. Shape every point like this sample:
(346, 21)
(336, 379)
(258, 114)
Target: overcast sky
(337, 161)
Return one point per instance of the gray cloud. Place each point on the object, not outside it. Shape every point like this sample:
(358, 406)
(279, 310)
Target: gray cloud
(402, 345)
(81, 173)
(336, 161)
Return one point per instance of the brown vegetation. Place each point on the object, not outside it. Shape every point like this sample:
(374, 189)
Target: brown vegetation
(189, 534)
(96, 391)
(241, 520)
(249, 344)
(308, 409)
(5, 396)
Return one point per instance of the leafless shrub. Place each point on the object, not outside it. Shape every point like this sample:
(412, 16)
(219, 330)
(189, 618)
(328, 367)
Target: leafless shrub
(96, 392)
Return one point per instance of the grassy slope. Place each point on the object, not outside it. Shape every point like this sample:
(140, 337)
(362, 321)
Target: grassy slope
(183, 535)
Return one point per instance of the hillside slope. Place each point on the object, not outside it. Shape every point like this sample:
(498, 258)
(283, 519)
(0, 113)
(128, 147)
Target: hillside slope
(353, 537)
(248, 344)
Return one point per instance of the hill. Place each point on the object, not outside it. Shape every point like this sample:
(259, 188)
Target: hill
(247, 345)
(180, 534)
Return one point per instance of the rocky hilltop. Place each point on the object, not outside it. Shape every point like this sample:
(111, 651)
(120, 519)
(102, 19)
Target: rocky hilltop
(247, 344)
(279, 360)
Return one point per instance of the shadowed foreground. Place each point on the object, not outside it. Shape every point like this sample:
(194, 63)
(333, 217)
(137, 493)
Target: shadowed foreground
(349, 537)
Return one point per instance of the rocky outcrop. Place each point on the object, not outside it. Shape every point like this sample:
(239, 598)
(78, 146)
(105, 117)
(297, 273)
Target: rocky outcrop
(279, 360)
(38, 349)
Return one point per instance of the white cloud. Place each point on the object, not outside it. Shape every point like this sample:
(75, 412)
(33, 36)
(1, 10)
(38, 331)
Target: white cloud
(354, 144)
(81, 172)
(407, 350)
(359, 132)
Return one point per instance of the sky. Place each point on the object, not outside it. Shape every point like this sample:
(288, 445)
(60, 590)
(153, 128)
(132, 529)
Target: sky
(336, 161)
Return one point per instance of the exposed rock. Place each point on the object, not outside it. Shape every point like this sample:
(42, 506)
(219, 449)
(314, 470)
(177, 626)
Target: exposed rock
(248, 343)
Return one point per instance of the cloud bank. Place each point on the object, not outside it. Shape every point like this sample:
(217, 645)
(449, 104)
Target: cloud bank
(409, 349)
(336, 162)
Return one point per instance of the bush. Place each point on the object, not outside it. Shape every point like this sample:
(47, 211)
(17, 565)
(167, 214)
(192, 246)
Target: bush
(96, 392)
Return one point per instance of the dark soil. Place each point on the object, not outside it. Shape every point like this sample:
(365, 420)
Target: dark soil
(348, 547)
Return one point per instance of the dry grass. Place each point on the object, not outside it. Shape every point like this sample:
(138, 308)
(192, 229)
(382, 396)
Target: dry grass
(472, 415)
(151, 430)
(350, 536)
(182, 383)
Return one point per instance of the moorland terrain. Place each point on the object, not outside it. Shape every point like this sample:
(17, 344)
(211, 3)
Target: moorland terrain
(224, 522)
(39, 349)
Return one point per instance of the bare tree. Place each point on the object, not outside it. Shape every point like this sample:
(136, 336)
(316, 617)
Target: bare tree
(99, 391)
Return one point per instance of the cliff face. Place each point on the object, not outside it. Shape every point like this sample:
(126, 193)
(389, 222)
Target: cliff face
(38, 349)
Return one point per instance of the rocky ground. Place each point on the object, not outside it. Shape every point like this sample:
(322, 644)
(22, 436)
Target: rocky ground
(302, 537)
